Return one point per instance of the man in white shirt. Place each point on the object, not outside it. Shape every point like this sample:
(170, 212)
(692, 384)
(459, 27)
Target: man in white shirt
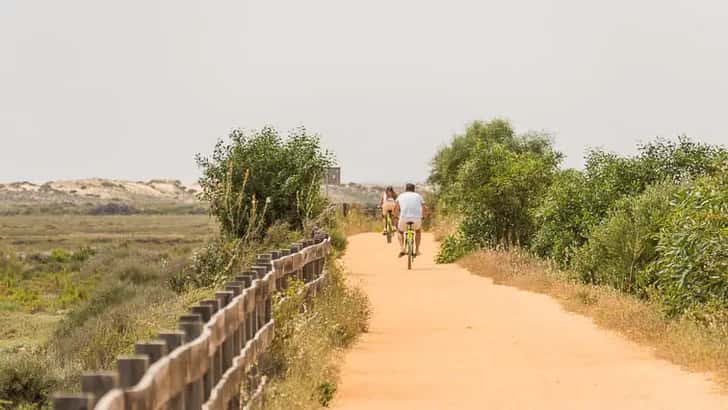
(410, 207)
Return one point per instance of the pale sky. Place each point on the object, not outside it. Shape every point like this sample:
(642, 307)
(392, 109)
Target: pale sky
(133, 89)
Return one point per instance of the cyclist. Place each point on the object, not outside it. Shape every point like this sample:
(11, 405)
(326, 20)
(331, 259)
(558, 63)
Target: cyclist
(410, 207)
(387, 203)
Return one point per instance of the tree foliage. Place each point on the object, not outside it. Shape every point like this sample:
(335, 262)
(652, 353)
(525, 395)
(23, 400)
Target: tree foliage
(620, 249)
(256, 179)
(654, 224)
(579, 201)
(494, 178)
(692, 263)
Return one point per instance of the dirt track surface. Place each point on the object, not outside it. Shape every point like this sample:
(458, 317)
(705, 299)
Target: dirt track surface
(442, 338)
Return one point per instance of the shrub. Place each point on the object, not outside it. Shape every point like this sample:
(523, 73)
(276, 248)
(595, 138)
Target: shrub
(619, 250)
(693, 247)
(577, 201)
(26, 380)
(262, 167)
(211, 264)
(560, 220)
(495, 178)
(453, 247)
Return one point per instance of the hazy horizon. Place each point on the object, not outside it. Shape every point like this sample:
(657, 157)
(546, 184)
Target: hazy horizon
(134, 90)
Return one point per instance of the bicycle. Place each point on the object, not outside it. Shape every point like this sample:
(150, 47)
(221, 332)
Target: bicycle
(389, 226)
(409, 244)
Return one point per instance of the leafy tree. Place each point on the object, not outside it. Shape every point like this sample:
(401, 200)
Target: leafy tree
(575, 205)
(620, 249)
(679, 160)
(498, 187)
(494, 178)
(449, 159)
(692, 267)
(256, 179)
(560, 217)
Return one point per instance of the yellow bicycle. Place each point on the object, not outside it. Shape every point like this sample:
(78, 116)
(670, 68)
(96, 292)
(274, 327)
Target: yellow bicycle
(409, 244)
(389, 226)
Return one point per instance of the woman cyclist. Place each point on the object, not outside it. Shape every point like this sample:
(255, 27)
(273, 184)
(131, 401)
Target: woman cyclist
(387, 203)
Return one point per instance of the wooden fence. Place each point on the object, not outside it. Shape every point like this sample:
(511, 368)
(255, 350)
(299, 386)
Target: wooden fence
(211, 361)
(364, 209)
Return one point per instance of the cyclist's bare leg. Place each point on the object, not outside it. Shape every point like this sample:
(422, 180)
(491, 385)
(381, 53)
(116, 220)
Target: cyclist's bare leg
(418, 238)
(400, 239)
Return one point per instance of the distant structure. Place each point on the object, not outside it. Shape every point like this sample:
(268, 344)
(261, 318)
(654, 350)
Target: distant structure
(333, 176)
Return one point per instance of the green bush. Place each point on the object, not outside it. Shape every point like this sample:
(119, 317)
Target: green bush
(338, 240)
(210, 265)
(560, 218)
(261, 178)
(494, 178)
(453, 247)
(26, 379)
(577, 201)
(692, 267)
(619, 250)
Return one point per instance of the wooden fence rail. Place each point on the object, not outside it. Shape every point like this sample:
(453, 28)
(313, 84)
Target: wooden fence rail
(211, 361)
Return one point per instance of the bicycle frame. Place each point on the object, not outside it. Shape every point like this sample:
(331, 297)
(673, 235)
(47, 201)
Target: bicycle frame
(388, 226)
(409, 241)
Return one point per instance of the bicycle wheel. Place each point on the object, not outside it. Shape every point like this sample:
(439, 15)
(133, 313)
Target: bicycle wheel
(389, 235)
(410, 253)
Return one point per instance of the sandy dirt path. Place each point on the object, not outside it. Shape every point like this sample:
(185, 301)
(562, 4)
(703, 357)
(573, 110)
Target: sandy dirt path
(442, 338)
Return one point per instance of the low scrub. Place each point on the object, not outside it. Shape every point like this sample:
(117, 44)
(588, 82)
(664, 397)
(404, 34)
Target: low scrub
(309, 341)
(26, 381)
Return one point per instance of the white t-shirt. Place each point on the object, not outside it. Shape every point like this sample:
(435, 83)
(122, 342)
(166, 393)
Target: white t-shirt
(410, 205)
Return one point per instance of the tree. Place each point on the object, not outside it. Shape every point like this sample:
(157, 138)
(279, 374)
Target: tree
(494, 178)
(253, 180)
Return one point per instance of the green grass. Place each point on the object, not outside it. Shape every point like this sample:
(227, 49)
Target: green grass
(43, 233)
(76, 291)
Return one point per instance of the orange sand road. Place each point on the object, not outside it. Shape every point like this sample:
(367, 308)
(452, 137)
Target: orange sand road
(442, 338)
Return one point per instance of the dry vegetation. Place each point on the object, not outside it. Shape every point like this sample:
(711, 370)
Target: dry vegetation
(75, 291)
(698, 345)
(358, 222)
(309, 342)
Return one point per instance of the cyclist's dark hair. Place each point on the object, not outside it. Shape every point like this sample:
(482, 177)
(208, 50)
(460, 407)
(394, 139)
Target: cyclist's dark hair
(389, 189)
(410, 187)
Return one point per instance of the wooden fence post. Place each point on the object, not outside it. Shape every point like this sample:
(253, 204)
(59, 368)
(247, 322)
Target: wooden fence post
(295, 248)
(131, 370)
(155, 349)
(191, 325)
(236, 288)
(204, 310)
(174, 339)
(99, 383)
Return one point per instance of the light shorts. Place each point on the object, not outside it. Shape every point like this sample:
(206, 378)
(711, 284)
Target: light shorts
(387, 206)
(402, 225)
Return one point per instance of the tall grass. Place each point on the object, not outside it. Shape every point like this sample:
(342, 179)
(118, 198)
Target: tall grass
(309, 342)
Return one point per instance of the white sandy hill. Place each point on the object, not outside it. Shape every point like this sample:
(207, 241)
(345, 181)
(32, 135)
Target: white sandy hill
(104, 189)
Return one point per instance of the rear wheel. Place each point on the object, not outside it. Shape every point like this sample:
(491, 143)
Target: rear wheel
(389, 236)
(410, 252)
